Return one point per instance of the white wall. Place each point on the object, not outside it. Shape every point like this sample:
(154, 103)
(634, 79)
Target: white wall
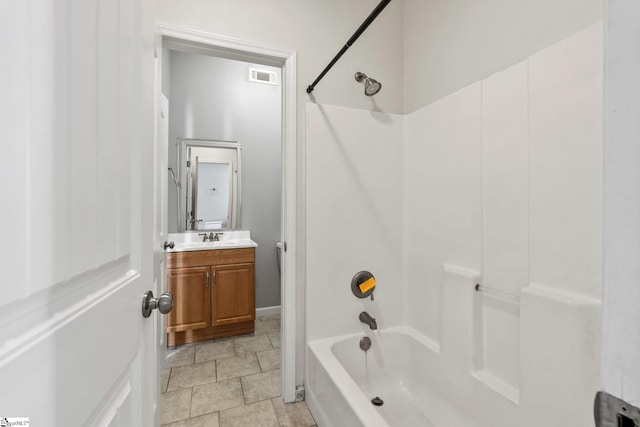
(354, 215)
(442, 200)
(211, 98)
(621, 339)
(166, 72)
(500, 184)
(316, 30)
(449, 45)
(505, 177)
(421, 51)
(566, 164)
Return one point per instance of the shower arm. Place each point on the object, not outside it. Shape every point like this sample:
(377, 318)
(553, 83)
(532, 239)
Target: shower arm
(372, 16)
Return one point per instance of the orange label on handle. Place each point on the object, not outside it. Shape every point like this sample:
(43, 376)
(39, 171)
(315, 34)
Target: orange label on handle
(367, 285)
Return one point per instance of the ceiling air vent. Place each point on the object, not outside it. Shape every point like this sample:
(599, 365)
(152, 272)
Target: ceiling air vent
(263, 76)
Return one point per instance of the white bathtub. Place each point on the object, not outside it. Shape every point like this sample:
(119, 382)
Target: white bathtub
(425, 385)
(397, 368)
(470, 377)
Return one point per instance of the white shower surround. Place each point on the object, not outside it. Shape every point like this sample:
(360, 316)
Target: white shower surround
(425, 383)
(501, 180)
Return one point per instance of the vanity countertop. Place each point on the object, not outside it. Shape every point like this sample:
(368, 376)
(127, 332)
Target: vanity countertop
(193, 241)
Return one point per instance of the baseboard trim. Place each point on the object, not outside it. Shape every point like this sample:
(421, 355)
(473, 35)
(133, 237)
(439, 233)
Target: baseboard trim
(268, 311)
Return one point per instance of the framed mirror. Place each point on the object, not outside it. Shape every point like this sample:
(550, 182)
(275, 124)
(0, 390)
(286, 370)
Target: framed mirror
(210, 196)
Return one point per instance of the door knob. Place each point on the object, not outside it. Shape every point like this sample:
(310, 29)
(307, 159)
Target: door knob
(164, 303)
(169, 245)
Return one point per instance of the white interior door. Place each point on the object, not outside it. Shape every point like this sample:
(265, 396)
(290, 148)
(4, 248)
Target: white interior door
(160, 223)
(77, 199)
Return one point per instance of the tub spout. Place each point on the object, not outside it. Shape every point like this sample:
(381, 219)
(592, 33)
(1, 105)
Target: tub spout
(366, 318)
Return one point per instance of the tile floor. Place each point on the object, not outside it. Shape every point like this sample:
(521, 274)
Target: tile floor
(229, 382)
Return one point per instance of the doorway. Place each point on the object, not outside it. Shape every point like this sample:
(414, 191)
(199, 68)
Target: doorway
(187, 41)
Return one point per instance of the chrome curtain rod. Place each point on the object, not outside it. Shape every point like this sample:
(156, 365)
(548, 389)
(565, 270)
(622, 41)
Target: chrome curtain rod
(372, 16)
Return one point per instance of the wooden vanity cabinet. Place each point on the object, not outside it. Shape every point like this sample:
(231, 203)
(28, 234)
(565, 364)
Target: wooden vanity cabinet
(191, 298)
(233, 298)
(213, 293)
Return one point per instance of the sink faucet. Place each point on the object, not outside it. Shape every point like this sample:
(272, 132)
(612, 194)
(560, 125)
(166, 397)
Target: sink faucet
(211, 237)
(366, 318)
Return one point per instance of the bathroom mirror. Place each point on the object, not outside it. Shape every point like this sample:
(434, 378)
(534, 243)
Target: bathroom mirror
(209, 196)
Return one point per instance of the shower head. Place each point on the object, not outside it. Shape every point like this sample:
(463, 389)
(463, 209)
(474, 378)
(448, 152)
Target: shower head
(371, 86)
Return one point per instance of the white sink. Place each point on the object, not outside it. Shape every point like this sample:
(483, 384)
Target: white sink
(192, 241)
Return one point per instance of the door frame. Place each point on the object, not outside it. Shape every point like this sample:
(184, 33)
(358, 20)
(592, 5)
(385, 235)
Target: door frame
(225, 47)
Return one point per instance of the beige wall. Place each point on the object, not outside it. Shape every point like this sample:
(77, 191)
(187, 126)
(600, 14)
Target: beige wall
(450, 44)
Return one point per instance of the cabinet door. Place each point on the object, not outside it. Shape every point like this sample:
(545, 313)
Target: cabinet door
(191, 298)
(233, 294)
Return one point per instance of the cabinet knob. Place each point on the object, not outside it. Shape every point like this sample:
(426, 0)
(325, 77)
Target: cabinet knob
(164, 303)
